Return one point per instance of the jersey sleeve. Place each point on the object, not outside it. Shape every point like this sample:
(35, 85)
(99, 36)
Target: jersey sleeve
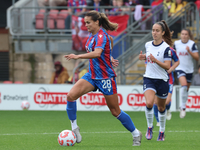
(194, 48)
(174, 55)
(100, 41)
(167, 54)
(174, 47)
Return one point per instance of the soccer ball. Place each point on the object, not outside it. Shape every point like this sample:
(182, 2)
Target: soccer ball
(25, 105)
(66, 138)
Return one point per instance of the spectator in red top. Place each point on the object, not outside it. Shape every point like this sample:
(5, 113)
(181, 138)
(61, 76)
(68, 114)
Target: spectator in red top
(60, 76)
(77, 11)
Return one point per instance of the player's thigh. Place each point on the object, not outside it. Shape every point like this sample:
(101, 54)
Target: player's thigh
(150, 97)
(183, 80)
(80, 88)
(113, 104)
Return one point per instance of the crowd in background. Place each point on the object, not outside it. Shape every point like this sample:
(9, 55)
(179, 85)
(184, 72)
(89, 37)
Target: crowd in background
(173, 6)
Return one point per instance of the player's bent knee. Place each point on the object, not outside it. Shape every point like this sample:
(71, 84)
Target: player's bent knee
(161, 109)
(115, 112)
(70, 97)
(149, 104)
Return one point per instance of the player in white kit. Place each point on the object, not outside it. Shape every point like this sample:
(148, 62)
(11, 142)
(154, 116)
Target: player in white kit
(158, 56)
(187, 51)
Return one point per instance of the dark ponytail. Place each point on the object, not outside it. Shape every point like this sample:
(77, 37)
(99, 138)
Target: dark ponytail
(168, 34)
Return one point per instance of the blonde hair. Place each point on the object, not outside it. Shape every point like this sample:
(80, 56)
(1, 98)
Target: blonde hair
(103, 20)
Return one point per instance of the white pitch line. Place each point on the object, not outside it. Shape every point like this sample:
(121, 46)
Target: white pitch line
(109, 132)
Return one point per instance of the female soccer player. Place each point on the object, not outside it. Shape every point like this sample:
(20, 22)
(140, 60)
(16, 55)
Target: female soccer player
(171, 83)
(158, 56)
(101, 74)
(187, 51)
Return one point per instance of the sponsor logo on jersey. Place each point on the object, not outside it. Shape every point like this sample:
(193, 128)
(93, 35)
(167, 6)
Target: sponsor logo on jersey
(183, 53)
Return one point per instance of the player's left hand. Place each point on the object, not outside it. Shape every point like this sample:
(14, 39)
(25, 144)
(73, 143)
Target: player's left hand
(115, 62)
(187, 48)
(152, 58)
(71, 56)
(169, 71)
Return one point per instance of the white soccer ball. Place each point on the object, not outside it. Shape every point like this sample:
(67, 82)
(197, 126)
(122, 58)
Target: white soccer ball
(25, 105)
(66, 138)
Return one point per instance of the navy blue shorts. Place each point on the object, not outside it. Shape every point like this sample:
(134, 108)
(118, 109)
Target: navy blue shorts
(160, 87)
(188, 76)
(105, 86)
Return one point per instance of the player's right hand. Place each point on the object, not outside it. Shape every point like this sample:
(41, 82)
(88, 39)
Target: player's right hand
(142, 56)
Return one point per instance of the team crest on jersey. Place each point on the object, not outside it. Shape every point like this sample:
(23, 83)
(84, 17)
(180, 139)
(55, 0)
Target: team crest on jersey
(100, 35)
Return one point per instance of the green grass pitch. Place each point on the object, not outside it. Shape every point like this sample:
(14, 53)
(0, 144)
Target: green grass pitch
(38, 130)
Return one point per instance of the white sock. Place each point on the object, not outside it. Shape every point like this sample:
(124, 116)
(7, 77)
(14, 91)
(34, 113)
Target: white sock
(184, 96)
(162, 119)
(135, 133)
(149, 117)
(73, 124)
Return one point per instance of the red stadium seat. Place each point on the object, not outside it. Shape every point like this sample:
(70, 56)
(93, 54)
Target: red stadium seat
(39, 19)
(51, 19)
(60, 21)
(18, 82)
(7, 82)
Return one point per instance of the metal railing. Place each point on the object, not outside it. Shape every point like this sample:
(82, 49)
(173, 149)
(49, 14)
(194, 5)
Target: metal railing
(129, 56)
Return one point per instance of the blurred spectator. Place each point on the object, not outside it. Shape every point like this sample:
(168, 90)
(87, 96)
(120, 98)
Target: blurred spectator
(138, 14)
(168, 4)
(51, 3)
(60, 75)
(117, 10)
(80, 71)
(96, 4)
(156, 17)
(77, 11)
(178, 5)
(196, 79)
(130, 3)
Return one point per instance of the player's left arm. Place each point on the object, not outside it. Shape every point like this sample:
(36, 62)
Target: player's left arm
(167, 59)
(194, 52)
(176, 61)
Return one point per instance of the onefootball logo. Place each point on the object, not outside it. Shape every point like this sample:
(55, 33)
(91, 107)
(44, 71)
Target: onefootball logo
(50, 98)
(96, 99)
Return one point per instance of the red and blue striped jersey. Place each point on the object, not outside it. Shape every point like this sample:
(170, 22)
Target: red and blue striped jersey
(100, 68)
(175, 58)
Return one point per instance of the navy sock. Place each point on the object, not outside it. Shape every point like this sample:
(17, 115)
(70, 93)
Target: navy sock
(155, 108)
(168, 106)
(126, 121)
(71, 110)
